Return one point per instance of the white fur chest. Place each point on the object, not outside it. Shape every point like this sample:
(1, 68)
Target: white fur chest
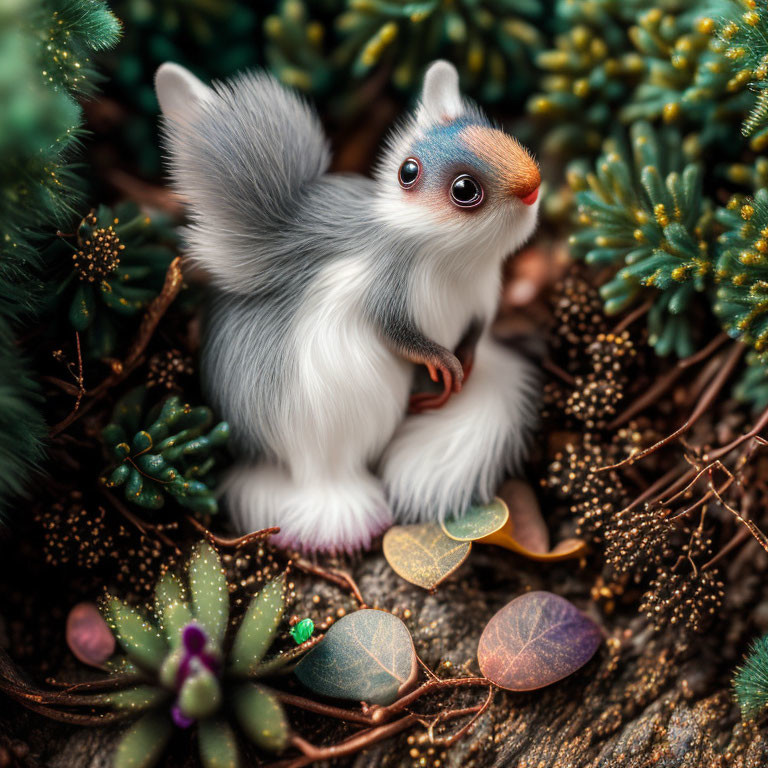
(444, 301)
(350, 390)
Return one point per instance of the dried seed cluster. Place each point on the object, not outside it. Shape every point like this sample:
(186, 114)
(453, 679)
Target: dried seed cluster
(637, 542)
(99, 254)
(166, 368)
(685, 600)
(74, 534)
(578, 317)
(88, 537)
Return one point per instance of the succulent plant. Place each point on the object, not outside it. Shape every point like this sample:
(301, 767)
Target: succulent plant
(174, 456)
(643, 213)
(119, 262)
(187, 672)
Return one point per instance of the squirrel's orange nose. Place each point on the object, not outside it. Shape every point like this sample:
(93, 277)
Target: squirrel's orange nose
(531, 197)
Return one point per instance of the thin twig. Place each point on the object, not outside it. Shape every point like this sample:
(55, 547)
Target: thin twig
(705, 401)
(231, 543)
(121, 370)
(558, 372)
(143, 526)
(320, 708)
(665, 382)
(635, 314)
(333, 575)
(466, 728)
(742, 535)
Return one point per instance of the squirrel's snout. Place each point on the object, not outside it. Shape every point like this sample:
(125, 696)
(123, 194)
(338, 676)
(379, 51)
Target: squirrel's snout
(514, 166)
(531, 197)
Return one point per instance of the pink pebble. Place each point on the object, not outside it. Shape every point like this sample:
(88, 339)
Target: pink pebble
(88, 636)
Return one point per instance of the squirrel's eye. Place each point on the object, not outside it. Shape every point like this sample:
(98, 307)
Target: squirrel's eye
(409, 174)
(466, 192)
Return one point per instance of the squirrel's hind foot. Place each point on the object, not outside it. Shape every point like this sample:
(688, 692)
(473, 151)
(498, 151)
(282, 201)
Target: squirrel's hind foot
(328, 516)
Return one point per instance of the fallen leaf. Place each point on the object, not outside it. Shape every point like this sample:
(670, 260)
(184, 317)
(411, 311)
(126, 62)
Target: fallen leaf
(531, 531)
(88, 636)
(478, 522)
(366, 656)
(536, 640)
(423, 554)
(525, 531)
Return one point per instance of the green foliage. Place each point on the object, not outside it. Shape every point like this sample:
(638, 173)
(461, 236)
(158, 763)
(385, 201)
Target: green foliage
(490, 41)
(175, 455)
(118, 264)
(742, 271)
(588, 73)
(642, 211)
(44, 62)
(188, 676)
(750, 683)
(752, 388)
(295, 47)
(743, 37)
(213, 38)
(660, 63)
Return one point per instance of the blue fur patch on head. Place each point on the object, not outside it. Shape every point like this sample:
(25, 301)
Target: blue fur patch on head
(441, 146)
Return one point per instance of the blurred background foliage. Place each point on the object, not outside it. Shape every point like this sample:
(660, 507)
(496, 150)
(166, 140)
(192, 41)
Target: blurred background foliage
(648, 120)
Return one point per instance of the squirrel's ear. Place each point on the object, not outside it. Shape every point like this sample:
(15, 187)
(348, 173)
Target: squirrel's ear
(179, 92)
(440, 97)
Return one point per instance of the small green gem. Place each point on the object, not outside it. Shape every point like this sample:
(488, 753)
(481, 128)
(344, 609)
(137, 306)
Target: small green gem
(302, 631)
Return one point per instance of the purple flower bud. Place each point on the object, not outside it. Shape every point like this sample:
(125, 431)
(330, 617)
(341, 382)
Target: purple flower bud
(179, 718)
(194, 639)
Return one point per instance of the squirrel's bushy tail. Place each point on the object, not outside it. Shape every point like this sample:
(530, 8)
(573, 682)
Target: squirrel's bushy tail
(242, 155)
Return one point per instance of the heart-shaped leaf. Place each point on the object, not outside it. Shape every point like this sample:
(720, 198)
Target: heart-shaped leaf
(366, 656)
(258, 628)
(88, 636)
(423, 554)
(261, 716)
(208, 586)
(478, 522)
(536, 640)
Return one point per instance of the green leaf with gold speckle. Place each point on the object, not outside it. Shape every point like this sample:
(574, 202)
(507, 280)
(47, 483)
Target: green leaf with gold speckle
(140, 639)
(208, 587)
(366, 656)
(218, 745)
(477, 522)
(261, 716)
(258, 628)
(172, 607)
(144, 742)
(138, 698)
(423, 554)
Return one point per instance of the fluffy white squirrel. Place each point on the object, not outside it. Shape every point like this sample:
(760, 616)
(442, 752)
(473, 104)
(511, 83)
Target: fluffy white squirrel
(330, 290)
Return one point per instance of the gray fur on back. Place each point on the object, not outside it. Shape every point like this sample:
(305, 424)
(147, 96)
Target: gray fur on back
(244, 163)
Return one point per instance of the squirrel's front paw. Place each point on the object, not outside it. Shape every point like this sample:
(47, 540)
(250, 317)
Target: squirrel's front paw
(452, 374)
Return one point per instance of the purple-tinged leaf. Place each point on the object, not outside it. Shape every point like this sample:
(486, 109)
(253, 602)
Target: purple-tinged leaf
(536, 640)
